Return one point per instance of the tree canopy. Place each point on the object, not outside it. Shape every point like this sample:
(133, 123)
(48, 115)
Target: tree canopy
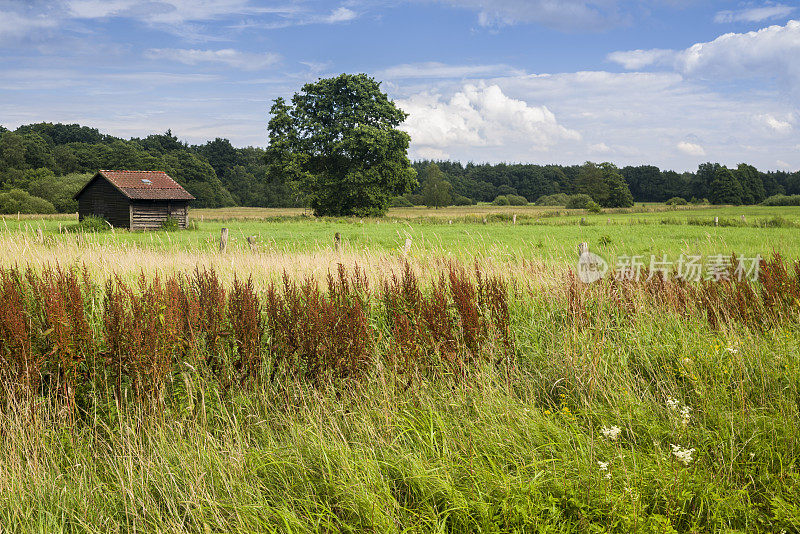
(339, 139)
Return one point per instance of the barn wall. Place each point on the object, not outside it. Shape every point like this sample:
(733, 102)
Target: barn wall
(104, 200)
(149, 214)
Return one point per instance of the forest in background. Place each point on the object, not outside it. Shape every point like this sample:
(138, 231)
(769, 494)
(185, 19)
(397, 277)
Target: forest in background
(43, 165)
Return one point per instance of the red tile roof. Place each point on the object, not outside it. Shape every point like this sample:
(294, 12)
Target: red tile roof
(144, 185)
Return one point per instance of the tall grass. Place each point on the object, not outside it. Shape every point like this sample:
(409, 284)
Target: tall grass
(460, 401)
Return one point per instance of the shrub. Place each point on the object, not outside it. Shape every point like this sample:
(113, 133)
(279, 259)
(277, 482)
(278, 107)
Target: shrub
(594, 207)
(19, 201)
(460, 200)
(782, 200)
(677, 201)
(90, 223)
(559, 199)
(501, 200)
(401, 202)
(517, 200)
(170, 224)
(579, 202)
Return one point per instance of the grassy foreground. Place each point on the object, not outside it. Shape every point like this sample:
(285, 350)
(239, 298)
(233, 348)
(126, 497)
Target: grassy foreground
(635, 407)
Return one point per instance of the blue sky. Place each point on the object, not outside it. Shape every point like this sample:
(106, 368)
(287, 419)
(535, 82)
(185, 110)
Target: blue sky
(667, 82)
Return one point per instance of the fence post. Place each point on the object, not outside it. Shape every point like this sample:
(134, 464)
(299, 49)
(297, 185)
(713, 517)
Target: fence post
(407, 246)
(743, 220)
(223, 240)
(514, 220)
(716, 221)
(337, 242)
(252, 240)
(583, 248)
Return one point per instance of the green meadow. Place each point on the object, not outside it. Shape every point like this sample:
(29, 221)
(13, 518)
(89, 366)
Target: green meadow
(470, 384)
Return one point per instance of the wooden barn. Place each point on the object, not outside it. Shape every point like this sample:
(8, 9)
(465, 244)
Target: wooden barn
(139, 200)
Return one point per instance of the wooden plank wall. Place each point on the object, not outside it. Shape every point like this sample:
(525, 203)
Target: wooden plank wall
(104, 200)
(148, 215)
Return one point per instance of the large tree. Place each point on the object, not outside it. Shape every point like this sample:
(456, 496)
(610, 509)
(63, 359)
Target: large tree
(339, 138)
(436, 191)
(725, 188)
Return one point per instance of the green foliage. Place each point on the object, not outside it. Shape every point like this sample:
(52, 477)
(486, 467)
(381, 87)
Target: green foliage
(782, 200)
(435, 189)
(676, 201)
(59, 190)
(501, 200)
(517, 200)
(594, 207)
(579, 202)
(460, 200)
(725, 189)
(559, 199)
(339, 139)
(19, 201)
(170, 224)
(401, 202)
(90, 223)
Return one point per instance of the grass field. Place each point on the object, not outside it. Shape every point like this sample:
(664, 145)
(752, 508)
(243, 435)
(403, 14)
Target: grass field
(472, 384)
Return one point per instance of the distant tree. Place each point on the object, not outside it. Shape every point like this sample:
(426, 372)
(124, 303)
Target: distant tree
(752, 184)
(725, 188)
(435, 190)
(618, 196)
(340, 137)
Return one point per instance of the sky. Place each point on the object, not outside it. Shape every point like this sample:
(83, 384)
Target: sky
(672, 83)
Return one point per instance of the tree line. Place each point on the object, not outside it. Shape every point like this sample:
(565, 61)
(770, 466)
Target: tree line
(42, 165)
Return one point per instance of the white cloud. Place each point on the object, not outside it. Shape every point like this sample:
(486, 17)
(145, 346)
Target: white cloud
(340, 14)
(441, 70)
(429, 153)
(692, 149)
(599, 148)
(481, 116)
(775, 124)
(783, 165)
(227, 56)
(637, 59)
(16, 25)
(562, 15)
(771, 52)
(755, 14)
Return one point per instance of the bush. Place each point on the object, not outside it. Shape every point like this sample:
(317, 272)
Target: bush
(594, 207)
(460, 200)
(59, 190)
(90, 223)
(19, 201)
(416, 200)
(579, 202)
(501, 200)
(782, 200)
(170, 224)
(401, 202)
(677, 201)
(517, 200)
(559, 199)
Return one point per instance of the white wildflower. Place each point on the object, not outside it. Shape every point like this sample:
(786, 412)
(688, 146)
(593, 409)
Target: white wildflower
(611, 433)
(686, 415)
(732, 350)
(604, 469)
(673, 403)
(683, 455)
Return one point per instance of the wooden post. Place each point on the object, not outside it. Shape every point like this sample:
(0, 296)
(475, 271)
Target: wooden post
(716, 221)
(337, 242)
(485, 221)
(743, 220)
(252, 240)
(223, 240)
(583, 248)
(608, 221)
(514, 220)
(451, 221)
(583, 221)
